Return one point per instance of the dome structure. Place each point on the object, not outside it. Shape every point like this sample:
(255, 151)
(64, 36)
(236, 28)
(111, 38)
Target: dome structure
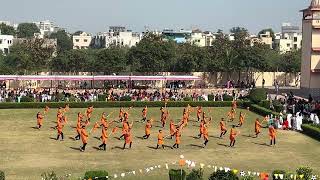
(315, 4)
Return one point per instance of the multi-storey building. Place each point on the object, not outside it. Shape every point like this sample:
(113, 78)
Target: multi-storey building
(5, 43)
(291, 38)
(81, 40)
(310, 66)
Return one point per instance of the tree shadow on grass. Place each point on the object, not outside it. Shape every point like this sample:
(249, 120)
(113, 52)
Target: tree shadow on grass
(261, 144)
(195, 145)
(222, 145)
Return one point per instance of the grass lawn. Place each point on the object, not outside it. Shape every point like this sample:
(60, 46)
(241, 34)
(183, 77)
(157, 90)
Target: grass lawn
(26, 152)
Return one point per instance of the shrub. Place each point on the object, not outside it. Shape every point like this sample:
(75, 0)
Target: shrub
(93, 174)
(222, 175)
(311, 130)
(26, 99)
(177, 174)
(247, 177)
(227, 97)
(125, 98)
(305, 171)
(49, 176)
(258, 95)
(278, 107)
(188, 98)
(262, 111)
(195, 174)
(210, 97)
(265, 104)
(59, 97)
(102, 97)
(285, 176)
(2, 176)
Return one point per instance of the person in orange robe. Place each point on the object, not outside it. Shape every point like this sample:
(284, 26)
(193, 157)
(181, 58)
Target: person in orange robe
(60, 126)
(127, 138)
(66, 108)
(147, 129)
(104, 138)
(79, 126)
(178, 138)
(231, 114)
(199, 111)
(205, 135)
(223, 128)
(160, 139)
(233, 134)
(257, 126)
(89, 112)
(144, 113)
(39, 119)
(125, 128)
(84, 137)
(272, 135)
(46, 109)
(126, 116)
(172, 128)
(241, 119)
(121, 114)
(201, 128)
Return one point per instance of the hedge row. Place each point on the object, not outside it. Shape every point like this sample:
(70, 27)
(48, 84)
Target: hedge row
(311, 130)
(262, 111)
(31, 105)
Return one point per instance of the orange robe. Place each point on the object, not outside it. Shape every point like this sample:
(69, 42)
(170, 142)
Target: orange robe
(233, 134)
(257, 127)
(127, 137)
(241, 119)
(40, 119)
(78, 128)
(205, 133)
(84, 136)
(59, 127)
(160, 138)
(178, 137)
(272, 132)
(201, 127)
(104, 135)
(223, 126)
(199, 111)
(125, 127)
(148, 128)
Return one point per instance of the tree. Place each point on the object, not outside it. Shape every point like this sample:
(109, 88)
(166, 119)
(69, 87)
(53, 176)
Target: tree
(263, 31)
(291, 62)
(27, 30)
(111, 60)
(7, 30)
(64, 41)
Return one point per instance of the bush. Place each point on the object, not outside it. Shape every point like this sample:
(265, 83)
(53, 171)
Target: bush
(188, 98)
(285, 176)
(257, 95)
(195, 175)
(93, 174)
(222, 175)
(49, 176)
(177, 174)
(247, 177)
(2, 176)
(26, 99)
(305, 171)
(227, 97)
(125, 98)
(311, 130)
(210, 97)
(265, 104)
(262, 111)
(278, 107)
(102, 97)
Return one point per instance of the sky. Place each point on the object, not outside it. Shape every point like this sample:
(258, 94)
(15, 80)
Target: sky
(97, 15)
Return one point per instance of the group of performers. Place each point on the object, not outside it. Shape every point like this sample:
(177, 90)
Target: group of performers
(175, 130)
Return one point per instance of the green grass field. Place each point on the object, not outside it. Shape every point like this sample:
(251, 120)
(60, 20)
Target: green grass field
(26, 152)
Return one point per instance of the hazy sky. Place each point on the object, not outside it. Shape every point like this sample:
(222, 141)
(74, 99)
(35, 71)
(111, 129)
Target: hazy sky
(97, 15)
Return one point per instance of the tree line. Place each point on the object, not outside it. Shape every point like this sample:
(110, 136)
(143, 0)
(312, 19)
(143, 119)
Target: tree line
(152, 54)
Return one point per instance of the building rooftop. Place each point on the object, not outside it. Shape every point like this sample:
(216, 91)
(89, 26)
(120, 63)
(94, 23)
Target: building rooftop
(315, 4)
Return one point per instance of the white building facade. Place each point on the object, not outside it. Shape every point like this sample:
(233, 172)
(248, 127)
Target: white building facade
(5, 43)
(81, 40)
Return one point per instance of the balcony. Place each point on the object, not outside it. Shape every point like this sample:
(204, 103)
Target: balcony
(316, 49)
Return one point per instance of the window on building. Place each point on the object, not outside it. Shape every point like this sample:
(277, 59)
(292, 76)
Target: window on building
(288, 45)
(295, 39)
(77, 40)
(86, 40)
(295, 46)
(0, 41)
